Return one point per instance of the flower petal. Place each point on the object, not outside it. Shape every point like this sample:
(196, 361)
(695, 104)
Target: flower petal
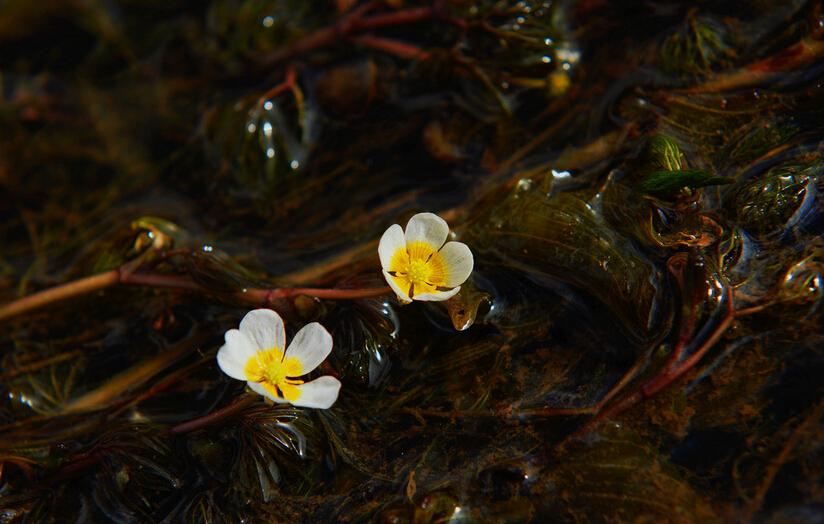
(458, 261)
(392, 240)
(235, 353)
(438, 295)
(311, 345)
(264, 328)
(428, 228)
(320, 393)
(266, 390)
(403, 294)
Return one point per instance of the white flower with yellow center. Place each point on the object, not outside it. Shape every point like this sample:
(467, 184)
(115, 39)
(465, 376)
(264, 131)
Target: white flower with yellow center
(255, 353)
(418, 265)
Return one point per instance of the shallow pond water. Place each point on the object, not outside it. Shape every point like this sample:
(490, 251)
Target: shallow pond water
(639, 185)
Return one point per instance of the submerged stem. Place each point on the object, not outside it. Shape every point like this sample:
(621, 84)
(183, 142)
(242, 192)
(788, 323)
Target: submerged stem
(265, 296)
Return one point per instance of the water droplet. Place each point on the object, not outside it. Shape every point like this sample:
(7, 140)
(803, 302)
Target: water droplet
(268, 105)
(547, 41)
(251, 127)
(565, 66)
(520, 20)
(267, 128)
(270, 152)
(546, 59)
(268, 21)
(294, 164)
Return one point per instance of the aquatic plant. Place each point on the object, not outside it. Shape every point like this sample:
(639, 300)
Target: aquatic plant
(639, 184)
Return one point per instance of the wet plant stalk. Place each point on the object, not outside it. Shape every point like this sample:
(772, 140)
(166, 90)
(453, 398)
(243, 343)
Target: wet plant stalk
(85, 286)
(238, 405)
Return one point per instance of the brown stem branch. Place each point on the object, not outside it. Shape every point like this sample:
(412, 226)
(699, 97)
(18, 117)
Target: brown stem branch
(799, 55)
(76, 288)
(140, 373)
(779, 460)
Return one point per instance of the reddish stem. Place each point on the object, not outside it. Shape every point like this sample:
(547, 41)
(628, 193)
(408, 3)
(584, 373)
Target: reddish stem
(393, 47)
(156, 280)
(404, 16)
(676, 266)
(349, 24)
(671, 375)
(123, 276)
(239, 404)
(337, 294)
(663, 379)
(286, 85)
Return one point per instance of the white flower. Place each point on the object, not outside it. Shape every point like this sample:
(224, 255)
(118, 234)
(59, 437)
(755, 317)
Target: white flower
(254, 353)
(418, 265)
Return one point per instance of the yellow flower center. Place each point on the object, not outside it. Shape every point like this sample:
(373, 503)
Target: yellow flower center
(269, 368)
(418, 271)
(418, 268)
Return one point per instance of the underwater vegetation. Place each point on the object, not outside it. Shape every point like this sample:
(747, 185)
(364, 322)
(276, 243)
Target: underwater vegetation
(400, 261)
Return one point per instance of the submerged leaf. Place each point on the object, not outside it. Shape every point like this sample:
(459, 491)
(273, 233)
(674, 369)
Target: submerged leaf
(563, 240)
(619, 477)
(663, 154)
(701, 45)
(771, 202)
